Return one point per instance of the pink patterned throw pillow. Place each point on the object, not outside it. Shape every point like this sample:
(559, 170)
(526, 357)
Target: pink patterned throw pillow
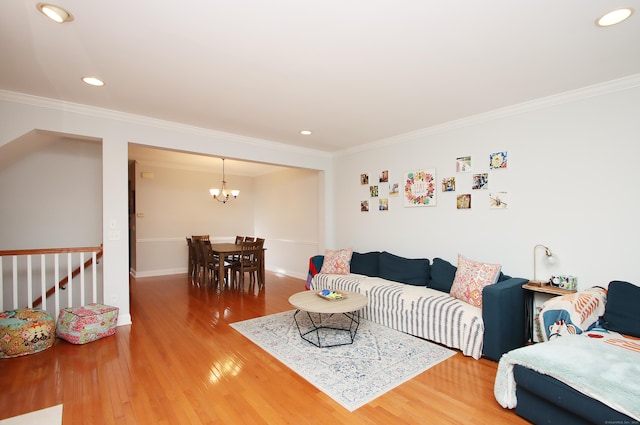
(336, 261)
(471, 278)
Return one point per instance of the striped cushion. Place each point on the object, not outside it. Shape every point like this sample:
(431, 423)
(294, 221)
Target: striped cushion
(416, 310)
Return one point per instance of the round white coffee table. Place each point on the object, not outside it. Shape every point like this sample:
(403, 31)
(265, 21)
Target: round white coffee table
(319, 326)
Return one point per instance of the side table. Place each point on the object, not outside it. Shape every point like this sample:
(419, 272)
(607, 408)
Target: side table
(529, 293)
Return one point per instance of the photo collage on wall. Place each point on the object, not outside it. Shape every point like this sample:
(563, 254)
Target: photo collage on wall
(479, 181)
(379, 192)
(419, 187)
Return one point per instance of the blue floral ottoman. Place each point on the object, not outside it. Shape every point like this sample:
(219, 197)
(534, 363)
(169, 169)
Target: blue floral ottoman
(25, 331)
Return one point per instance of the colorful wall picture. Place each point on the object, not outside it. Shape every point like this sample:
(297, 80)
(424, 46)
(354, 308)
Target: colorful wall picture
(364, 179)
(420, 188)
(498, 200)
(394, 189)
(463, 164)
(383, 204)
(384, 176)
(480, 181)
(364, 206)
(463, 202)
(498, 160)
(373, 191)
(449, 184)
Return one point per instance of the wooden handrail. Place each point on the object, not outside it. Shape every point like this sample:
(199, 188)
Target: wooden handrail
(62, 284)
(49, 251)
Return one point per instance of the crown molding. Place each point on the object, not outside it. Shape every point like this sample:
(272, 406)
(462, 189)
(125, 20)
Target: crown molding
(613, 86)
(78, 108)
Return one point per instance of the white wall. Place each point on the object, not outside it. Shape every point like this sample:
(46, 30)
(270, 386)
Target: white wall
(287, 215)
(571, 178)
(176, 204)
(52, 197)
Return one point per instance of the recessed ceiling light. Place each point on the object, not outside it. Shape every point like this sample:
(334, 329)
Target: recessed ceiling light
(55, 13)
(614, 17)
(305, 132)
(93, 81)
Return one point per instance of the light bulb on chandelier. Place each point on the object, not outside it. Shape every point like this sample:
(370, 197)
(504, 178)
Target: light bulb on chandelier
(223, 195)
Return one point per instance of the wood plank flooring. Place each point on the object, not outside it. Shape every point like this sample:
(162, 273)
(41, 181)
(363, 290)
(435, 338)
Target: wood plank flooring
(181, 363)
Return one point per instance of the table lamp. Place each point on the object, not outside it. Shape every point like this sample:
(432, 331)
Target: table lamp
(548, 253)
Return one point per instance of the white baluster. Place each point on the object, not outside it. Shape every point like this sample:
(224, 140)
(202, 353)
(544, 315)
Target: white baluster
(94, 274)
(82, 278)
(15, 282)
(43, 282)
(29, 283)
(69, 281)
(56, 278)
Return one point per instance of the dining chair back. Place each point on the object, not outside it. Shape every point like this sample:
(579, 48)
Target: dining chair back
(192, 258)
(212, 262)
(249, 263)
(200, 261)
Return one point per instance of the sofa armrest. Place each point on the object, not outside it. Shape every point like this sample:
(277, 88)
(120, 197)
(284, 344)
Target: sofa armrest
(315, 265)
(503, 316)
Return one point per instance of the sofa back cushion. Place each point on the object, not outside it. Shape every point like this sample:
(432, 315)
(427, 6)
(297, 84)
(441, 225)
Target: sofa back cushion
(366, 264)
(621, 314)
(413, 271)
(442, 275)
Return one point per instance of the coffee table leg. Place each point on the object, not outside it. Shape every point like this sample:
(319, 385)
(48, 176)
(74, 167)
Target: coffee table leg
(316, 326)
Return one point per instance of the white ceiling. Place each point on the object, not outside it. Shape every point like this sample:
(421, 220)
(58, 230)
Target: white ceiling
(352, 71)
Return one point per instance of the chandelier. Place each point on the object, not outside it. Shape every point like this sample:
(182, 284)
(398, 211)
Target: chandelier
(223, 195)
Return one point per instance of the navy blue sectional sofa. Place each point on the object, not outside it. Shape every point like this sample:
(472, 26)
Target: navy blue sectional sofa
(543, 399)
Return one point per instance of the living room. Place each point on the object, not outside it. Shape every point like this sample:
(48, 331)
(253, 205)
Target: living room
(569, 180)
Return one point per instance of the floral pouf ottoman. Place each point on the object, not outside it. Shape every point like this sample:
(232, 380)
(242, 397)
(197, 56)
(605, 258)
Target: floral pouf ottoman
(25, 331)
(79, 325)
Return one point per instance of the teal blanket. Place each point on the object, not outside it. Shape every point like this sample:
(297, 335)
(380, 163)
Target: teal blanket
(607, 370)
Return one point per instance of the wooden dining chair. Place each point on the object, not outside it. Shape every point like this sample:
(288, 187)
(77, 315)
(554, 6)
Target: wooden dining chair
(249, 263)
(212, 263)
(192, 259)
(201, 263)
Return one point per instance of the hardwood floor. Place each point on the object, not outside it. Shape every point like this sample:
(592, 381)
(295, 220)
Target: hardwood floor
(181, 363)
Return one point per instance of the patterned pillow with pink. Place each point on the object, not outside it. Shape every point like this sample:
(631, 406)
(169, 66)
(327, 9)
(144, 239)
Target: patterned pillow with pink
(471, 278)
(337, 261)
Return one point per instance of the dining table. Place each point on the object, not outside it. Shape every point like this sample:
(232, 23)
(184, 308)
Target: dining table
(225, 250)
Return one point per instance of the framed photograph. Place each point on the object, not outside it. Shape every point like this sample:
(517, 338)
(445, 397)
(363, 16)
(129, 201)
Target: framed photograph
(364, 206)
(463, 202)
(420, 188)
(373, 191)
(364, 179)
(384, 176)
(498, 160)
(394, 189)
(498, 200)
(463, 164)
(480, 181)
(383, 204)
(449, 184)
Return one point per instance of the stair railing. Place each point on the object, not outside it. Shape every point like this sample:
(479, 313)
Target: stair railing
(17, 270)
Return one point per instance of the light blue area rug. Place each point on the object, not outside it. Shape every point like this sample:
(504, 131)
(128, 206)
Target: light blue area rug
(380, 358)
